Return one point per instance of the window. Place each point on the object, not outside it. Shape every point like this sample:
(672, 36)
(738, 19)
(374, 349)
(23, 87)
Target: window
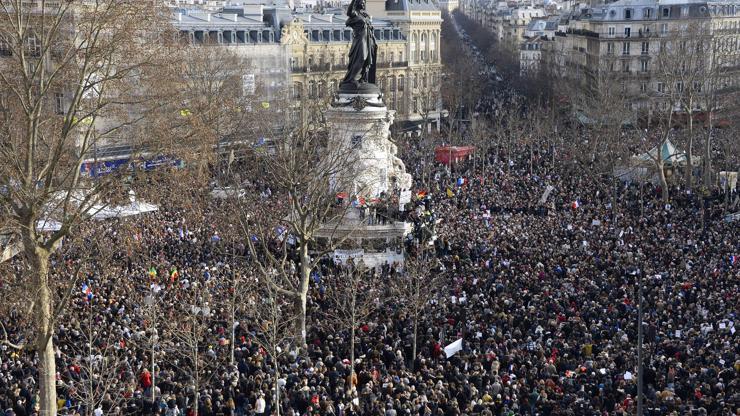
(423, 47)
(625, 48)
(647, 13)
(679, 87)
(610, 48)
(643, 66)
(625, 66)
(664, 28)
(59, 102)
(661, 87)
(34, 48)
(627, 32)
(356, 142)
(684, 11)
(697, 86)
(627, 14)
(645, 48)
(662, 46)
(612, 30)
(666, 12)
(643, 87)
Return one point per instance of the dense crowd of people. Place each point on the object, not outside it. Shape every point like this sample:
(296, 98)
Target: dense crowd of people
(544, 297)
(535, 266)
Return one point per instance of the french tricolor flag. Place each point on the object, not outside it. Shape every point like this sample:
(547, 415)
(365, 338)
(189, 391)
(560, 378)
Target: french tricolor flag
(733, 259)
(87, 291)
(575, 204)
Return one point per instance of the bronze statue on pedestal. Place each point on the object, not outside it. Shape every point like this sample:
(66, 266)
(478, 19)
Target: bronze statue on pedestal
(360, 76)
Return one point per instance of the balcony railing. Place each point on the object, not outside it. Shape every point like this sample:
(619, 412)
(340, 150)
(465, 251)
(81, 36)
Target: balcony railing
(395, 64)
(583, 32)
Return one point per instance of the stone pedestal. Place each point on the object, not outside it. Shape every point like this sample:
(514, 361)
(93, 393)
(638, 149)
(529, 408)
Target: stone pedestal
(360, 123)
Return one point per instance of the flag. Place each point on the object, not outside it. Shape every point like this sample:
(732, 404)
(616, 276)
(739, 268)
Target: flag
(174, 274)
(87, 292)
(575, 204)
(152, 272)
(421, 194)
(450, 194)
(453, 348)
(460, 181)
(733, 259)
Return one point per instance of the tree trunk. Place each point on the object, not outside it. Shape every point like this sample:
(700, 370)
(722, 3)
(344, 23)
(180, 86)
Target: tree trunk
(689, 153)
(44, 324)
(708, 156)
(276, 386)
(352, 358)
(233, 330)
(196, 375)
(154, 382)
(663, 181)
(413, 344)
(303, 295)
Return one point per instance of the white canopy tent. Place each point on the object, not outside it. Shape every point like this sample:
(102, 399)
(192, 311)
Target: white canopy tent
(135, 207)
(668, 152)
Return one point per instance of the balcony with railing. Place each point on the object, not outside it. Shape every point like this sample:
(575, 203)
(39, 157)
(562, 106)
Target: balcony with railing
(396, 64)
(583, 32)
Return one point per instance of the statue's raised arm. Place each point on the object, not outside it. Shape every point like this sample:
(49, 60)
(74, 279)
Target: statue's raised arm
(361, 69)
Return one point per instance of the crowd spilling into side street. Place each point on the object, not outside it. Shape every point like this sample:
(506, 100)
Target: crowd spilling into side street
(543, 296)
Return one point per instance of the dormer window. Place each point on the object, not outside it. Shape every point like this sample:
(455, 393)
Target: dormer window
(647, 13)
(627, 14)
(666, 12)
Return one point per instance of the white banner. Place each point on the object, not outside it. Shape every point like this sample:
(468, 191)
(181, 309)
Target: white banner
(546, 194)
(453, 348)
(403, 199)
(341, 256)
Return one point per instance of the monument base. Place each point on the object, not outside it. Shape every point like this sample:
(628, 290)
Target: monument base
(374, 242)
(360, 122)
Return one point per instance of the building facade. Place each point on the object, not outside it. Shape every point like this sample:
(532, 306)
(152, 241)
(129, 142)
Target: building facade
(307, 52)
(631, 42)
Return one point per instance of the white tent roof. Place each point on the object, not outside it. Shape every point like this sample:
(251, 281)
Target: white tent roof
(135, 207)
(668, 152)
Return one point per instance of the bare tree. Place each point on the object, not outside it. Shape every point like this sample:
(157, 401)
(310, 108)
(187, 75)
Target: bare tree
(72, 74)
(303, 176)
(352, 296)
(99, 363)
(419, 283)
(684, 64)
(187, 342)
(274, 321)
(215, 102)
